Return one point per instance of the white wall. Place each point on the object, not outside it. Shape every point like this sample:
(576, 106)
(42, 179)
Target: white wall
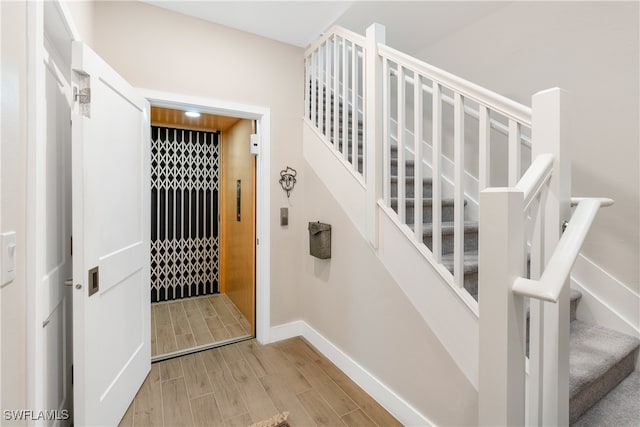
(161, 50)
(591, 50)
(353, 301)
(13, 181)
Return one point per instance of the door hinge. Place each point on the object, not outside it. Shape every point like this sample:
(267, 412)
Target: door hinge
(71, 374)
(71, 246)
(83, 95)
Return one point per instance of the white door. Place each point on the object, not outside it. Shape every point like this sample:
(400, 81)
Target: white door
(111, 202)
(53, 242)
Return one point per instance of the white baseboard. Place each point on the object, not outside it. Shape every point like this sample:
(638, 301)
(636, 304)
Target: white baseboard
(606, 300)
(286, 331)
(398, 407)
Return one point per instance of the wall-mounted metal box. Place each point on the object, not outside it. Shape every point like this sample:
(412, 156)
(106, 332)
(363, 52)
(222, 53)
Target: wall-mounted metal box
(320, 240)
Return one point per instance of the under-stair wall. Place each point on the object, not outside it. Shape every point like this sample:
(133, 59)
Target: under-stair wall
(354, 302)
(455, 324)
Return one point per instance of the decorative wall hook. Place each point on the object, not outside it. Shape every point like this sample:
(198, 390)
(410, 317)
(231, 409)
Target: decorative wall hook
(288, 179)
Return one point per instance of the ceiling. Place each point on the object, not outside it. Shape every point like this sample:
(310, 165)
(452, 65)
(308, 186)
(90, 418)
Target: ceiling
(411, 25)
(177, 119)
(293, 22)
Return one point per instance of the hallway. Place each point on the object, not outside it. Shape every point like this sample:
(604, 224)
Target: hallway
(243, 383)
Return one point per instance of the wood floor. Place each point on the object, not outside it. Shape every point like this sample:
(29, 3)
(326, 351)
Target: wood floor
(239, 384)
(190, 323)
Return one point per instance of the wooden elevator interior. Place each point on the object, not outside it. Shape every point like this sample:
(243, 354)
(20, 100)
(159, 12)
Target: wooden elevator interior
(237, 201)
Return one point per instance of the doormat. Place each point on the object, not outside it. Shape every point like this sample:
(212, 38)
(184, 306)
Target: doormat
(279, 420)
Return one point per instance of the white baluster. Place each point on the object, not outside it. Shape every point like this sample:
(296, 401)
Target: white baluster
(354, 105)
(335, 115)
(515, 148)
(327, 90)
(400, 149)
(436, 166)
(418, 157)
(386, 149)
(314, 88)
(484, 148)
(321, 89)
(345, 104)
(458, 190)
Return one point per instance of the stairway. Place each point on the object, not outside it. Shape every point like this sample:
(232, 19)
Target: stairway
(604, 389)
(600, 358)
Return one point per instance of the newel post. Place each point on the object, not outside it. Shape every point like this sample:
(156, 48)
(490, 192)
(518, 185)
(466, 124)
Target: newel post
(502, 322)
(550, 322)
(373, 128)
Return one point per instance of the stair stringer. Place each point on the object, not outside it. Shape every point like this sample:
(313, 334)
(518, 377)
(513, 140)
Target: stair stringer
(453, 319)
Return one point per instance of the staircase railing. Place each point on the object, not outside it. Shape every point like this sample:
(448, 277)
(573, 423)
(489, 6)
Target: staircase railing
(391, 118)
(528, 224)
(334, 95)
(410, 84)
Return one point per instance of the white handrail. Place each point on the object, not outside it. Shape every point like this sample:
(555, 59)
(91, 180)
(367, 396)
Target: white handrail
(495, 124)
(535, 177)
(555, 275)
(605, 202)
(336, 31)
(498, 103)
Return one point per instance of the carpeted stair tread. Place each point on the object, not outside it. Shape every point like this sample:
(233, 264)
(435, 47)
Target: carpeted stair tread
(427, 186)
(448, 227)
(599, 359)
(410, 180)
(427, 201)
(620, 407)
(470, 262)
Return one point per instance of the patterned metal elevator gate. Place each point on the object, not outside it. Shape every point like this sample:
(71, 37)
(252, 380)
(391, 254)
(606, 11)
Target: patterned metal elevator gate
(184, 213)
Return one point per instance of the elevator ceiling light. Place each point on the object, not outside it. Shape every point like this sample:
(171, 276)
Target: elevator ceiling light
(192, 114)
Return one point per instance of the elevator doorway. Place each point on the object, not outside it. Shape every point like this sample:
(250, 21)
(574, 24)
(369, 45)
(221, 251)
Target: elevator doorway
(203, 206)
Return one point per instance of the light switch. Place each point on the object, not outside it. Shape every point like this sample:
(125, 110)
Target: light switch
(254, 144)
(8, 257)
(284, 216)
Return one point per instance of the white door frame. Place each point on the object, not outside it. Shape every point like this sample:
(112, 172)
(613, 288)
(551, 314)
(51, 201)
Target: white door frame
(263, 178)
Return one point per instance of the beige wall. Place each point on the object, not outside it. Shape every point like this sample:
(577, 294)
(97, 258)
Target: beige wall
(13, 179)
(237, 238)
(352, 300)
(157, 49)
(590, 49)
(82, 14)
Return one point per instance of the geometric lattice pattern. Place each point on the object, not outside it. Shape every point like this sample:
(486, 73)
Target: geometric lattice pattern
(184, 213)
(184, 159)
(183, 268)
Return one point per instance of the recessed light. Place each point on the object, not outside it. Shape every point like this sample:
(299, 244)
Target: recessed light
(192, 114)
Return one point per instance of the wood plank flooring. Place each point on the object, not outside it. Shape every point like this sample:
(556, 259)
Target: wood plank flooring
(242, 383)
(184, 324)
